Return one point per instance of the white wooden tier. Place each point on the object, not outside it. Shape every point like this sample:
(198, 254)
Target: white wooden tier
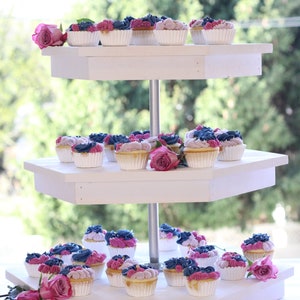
(157, 62)
(108, 184)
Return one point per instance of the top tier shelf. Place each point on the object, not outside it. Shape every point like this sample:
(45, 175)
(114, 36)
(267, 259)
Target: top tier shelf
(186, 62)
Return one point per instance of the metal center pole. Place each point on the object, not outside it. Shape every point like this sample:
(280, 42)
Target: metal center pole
(153, 219)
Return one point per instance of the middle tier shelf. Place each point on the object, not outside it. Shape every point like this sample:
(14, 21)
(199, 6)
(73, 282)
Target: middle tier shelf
(108, 184)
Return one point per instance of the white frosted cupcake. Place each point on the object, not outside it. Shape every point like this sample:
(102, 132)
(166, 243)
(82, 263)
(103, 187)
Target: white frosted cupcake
(88, 155)
(140, 280)
(169, 32)
(188, 240)
(94, 238)
(133, 155)
(196, 30)
(81, 279)
(204, 256)
(232, 266)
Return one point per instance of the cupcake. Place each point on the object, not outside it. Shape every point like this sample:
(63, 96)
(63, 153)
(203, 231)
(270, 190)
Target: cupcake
(140, 280)
(139, 135)
(114, 269)
(109, 145)
(65, 251)
(188, 240)
(90, 258)
(218, 32)
(201, 282)
(196, 30)
(257, 246)
(81, 279)
(172, 141)
(32, 263)
(201, 147)
(63, 147)
(114, 33)
(83, 33)
(94, 238)
(88, 155)
(173, 270)
(168, 236)
(204, 256)
(169, 32)
(232, 266)
(231, 144)
(97, 137)
(142, 30)
(121, 242)
(51, 267)
(132, 155)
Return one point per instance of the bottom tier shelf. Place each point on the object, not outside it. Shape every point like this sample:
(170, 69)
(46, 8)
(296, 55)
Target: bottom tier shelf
(247, 289)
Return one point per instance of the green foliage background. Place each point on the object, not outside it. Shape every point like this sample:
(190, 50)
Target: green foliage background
(36, 108)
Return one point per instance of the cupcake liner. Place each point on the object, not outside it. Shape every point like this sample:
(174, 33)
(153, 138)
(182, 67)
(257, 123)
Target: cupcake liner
(130, 251)
(114, 277)
(171, 37)
(206, 261)
(143, 37)
(197, 36)
(81, 287)
(32, 270)
(110, 153)
(173, 277)
(115, 37)
(100, 247)
(257, 254)
(200, 288)
(98, 268)
(168, 244)
(232, 273)
(230, 153)
(219, 36)
(83, 38)
(88, 160)
(140, 288)
(64, 154)
(134, 160)
(201, 158)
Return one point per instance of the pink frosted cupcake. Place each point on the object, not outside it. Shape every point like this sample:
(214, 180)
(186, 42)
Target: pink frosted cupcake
(257, 246)
(169, 32)
(201, 282)
(114, 269)
(32, 263)
(50, 267)
(188, 240)
(204, 256)
(173, 270)
(88, 155)
(81, 279)
(94, 238)
(90, 258)
(121, 242)
(168, 236)
(232, 266)
(140, 280)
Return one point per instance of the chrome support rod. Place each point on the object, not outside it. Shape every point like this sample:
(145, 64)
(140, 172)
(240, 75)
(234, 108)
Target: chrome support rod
(153, 220)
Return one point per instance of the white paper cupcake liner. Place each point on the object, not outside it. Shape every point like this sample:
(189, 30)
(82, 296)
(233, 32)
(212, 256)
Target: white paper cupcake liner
(130, 251)
(201, 159)
(110, 153)
(232, 273)
(174, 278)
(219, 36)
(98, 270)
(167, 244)
(200, 288)
(171, 37)
(115, 37)
(81, 287)
(115, 278)
(197, 36)
(32, 270)
(135, 160)
(143, 37)
(100, 247)
(83, 38)
(88, 160)
(206, 262)
(140, 288)
(64, 154)
(231, 153)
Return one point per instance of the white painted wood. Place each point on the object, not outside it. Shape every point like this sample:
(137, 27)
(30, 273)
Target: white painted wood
(157, 62)
(108, 184)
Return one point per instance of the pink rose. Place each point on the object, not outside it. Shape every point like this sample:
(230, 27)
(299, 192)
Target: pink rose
(263, 269)
(46, 35)
(28, 295)
(163, 159)
(57, 288)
